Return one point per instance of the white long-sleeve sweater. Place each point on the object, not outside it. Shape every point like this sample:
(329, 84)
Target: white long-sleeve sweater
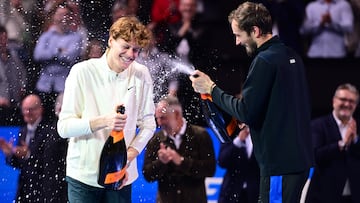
(93, 89)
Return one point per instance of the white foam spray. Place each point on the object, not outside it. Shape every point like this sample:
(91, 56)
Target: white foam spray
(182, 67)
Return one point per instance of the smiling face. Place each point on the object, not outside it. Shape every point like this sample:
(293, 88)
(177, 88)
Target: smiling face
(31, 109)
(127, 37)
(242, 38)
(121, 54)
(168, 115)
(168, 118)
(344, 104)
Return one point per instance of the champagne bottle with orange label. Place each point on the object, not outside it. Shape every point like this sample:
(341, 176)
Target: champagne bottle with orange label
(113, 159)
(223, 125)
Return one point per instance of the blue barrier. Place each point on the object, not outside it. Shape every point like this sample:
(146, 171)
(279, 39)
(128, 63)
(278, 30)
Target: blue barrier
(8, 175)
(142, 190)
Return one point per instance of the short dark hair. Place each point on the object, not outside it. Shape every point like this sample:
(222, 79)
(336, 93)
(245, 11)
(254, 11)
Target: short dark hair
(251, 14)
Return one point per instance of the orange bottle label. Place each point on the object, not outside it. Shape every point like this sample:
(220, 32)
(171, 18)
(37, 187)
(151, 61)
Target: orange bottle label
(231, 127)
(206, 96)
(115, 176)
(117, 135)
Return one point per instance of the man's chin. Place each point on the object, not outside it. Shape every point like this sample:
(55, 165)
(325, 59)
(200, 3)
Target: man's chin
(125, 65)
(344, 116)
(250, 52)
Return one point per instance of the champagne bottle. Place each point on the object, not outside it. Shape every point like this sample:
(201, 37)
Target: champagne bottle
(225, 128)
(113, 159)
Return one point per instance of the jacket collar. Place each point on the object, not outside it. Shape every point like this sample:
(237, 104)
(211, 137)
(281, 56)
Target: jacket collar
(275, 39)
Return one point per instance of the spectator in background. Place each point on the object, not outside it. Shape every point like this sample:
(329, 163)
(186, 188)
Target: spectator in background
(77, 24)
(181, 48)
(48, 8)
(326, 24)
(179, 157)
(242, 177)
(28, 153)
(166, 65)
(36, 156)
(94, 49)
(336, 177)
(12, 82)
(180, 86)
(57, 50)
(186, 34)
(163, 14)
(15, 18)
(12, 18)
(23, 21)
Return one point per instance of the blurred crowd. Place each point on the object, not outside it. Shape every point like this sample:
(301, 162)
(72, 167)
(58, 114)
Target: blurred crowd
(42, 39)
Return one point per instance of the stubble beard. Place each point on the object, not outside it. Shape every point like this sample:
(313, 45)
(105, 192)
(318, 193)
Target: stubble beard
(251, 48)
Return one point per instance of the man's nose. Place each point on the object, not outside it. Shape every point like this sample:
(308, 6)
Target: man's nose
(132, 53)
(237, 41)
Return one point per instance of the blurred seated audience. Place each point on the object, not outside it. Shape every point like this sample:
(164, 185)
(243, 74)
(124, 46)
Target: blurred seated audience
(57, 49)
(336, 177)
(186, 34)
(12, 82)
(325, 25)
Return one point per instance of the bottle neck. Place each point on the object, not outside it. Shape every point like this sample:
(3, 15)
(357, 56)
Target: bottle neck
(206, 97)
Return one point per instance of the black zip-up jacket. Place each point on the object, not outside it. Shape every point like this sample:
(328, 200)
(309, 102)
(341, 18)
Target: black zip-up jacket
(275, 104)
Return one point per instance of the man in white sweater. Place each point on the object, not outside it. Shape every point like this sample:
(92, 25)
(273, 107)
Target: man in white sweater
(93, 90)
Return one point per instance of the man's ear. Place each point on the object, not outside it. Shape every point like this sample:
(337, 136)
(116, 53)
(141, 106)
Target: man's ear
(256, 32)
(110, 41)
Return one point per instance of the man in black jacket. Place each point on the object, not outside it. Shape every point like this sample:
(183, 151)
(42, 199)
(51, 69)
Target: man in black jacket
(336, 177)
(39, 158)
(274, 104)
(179, 156)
